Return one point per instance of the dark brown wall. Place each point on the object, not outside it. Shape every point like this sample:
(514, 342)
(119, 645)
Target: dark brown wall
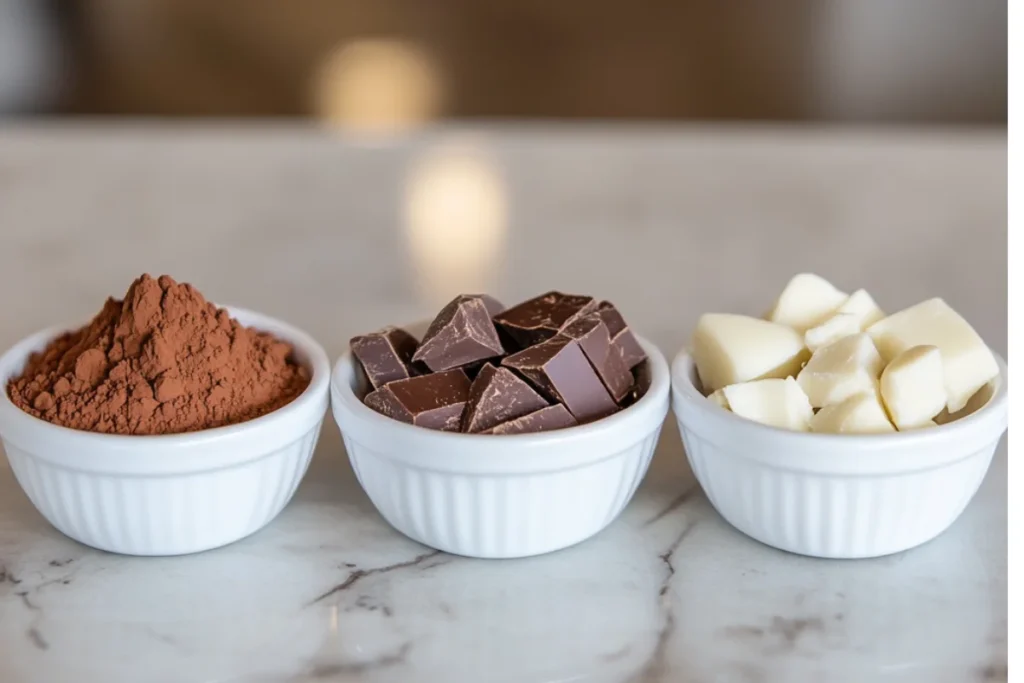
(537, 58)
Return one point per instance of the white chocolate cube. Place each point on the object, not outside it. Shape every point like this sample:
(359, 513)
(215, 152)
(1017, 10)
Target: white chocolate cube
(807, 301)
(729, 349)
(776, 402)
(835, 328)
(967, 363)
(858, 414)
(863, 307)
(840, 370)
(981, 397)
(718, 397)
(912, 387)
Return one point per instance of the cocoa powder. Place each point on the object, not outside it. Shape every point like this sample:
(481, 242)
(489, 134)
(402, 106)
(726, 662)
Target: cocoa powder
(162, 361)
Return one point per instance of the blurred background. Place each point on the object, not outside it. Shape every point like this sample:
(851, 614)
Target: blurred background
(391, 63)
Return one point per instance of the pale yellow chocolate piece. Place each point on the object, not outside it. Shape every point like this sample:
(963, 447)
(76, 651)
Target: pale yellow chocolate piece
(832, 330)
(967, 363)
(863, 307)
(840, 370)
(854, 315)
(974, 404)
(807, 301)
(912, 387)
(730, 349)
(718, 396)
(858, 414)
(776, 402)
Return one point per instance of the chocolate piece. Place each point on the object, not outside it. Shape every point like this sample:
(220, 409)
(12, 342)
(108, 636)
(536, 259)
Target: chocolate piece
(433, 401)
(385, 355)
(493, 306)
(622, 339)
(611, 317)
(496, 396)
(559, 368)
(641, 383)
(592, 335)
(473, 369)
(462, 333)
(541, 318)
(543, 420)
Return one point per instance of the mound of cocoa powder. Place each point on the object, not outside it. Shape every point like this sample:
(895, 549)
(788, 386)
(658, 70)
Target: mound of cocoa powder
(162, 361)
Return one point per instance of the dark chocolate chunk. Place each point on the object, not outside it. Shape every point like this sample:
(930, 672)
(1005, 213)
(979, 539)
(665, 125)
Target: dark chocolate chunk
(543, 420)
(642, 378)
(473, 369)
(462, 333)
(611, 317)
(629, 348)
(541, 318)
(641, 383)
(434, 401)
(385, 355)
(496, 396)
(622, 338)
(493, 306)
(591, 334)
(559, 368)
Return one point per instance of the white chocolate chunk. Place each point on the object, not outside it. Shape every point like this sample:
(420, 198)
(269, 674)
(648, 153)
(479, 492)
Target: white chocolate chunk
(863, 307)
(718, 397)
(979, 400)
(840, 370)
(858, 414)
(806, 302)
(856, 314)
(729, 349)
(967, 363)
(835, 328)
(775, 402)
(912, 387)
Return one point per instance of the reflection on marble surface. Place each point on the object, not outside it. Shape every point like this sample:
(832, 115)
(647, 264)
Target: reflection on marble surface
(315, 231)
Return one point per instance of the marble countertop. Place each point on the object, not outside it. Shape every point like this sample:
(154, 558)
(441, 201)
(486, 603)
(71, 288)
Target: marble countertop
(339, 235)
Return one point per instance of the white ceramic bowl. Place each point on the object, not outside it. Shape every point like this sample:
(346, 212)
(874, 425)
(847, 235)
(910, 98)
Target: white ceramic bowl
(173, 494)
(500, 496)
(835, 495)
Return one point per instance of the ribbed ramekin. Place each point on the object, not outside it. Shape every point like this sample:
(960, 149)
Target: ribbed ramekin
(835, 495)
(500, 496)
(173, 494)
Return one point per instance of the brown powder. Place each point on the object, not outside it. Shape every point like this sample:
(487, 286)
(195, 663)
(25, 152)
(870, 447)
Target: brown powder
(162, 361)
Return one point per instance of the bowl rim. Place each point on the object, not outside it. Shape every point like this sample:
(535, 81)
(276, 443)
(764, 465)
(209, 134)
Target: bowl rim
(511, 453)
(846, 453)
(14, 422)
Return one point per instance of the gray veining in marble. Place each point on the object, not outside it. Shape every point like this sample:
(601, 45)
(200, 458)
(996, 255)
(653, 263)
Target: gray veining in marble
(339, 235)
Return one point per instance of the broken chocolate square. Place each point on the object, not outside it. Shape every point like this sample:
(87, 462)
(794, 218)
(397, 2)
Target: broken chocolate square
(622, 338)
(461, 334)
(559, 369)
(434, 401)
(541, 318)
(543, 420)
(591, 334)
(385, 355)
(496, 396)
(493, 306)
(641, 383)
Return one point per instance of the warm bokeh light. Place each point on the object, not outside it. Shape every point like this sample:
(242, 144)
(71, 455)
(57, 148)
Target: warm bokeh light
(377, 85)
(456, 214)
